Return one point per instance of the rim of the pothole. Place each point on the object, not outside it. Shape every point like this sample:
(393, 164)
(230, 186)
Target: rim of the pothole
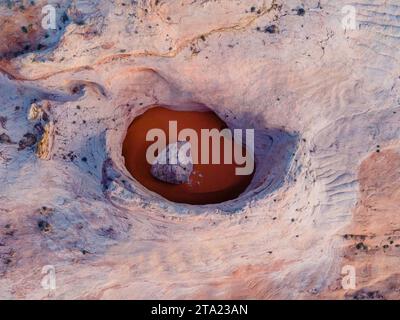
(272, 147)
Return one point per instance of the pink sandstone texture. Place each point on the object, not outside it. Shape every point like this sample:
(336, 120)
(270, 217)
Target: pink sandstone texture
(324, 101)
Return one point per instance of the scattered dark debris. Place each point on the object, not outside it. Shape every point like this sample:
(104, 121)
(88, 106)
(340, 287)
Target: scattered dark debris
(268, 29)
(44, 226)
(271, 29)
(108, 232)
(10, 233)
(4, 138)
(24, 29)
(77, 89)
(361, 246)
(38, 127)
(3, 121)
(84, 251)
(64, 18)
(6, 259)
(354, 236)
(300, 11)
(367, 295)
(71, 156)
(194, 49)
(79, 22)
(46, 211)
(28, 140)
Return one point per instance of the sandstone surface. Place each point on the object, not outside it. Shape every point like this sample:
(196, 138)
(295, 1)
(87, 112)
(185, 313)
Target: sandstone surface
(325, 103)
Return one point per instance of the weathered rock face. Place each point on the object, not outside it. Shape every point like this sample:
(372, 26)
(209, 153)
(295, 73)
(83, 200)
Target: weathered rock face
(174, 164)
(324, 197)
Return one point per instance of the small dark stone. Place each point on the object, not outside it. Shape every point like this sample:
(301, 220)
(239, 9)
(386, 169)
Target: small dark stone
(361, 246)
(45, 116)
(3, 121)
(28, 140)
(363, 294)
(4, 138)
(44, 226)
(271, 29)
(64, 18)
(301, 11)
(38, 128)
(108, 232)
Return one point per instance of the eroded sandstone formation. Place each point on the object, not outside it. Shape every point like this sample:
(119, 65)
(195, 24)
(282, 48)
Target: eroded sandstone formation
(324, 102)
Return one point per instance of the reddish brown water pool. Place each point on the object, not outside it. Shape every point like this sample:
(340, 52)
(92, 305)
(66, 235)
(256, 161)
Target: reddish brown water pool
(208, 183)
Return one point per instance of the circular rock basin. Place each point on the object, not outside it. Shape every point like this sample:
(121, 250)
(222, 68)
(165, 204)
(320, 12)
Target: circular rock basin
(208, 183)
